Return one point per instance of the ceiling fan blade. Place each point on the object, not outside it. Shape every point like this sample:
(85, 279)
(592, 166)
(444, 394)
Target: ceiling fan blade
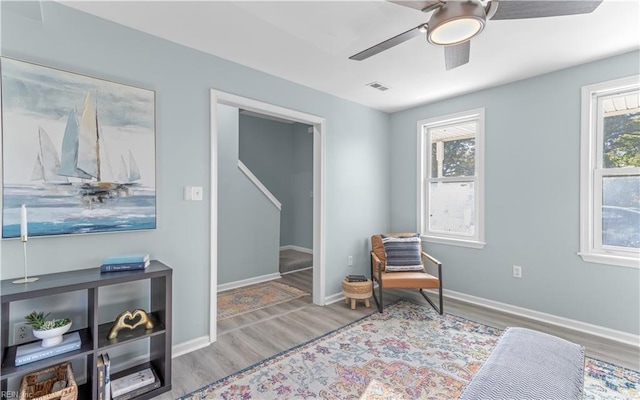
(387, 44)
(520, 9)
(424, 6)
(457, 55)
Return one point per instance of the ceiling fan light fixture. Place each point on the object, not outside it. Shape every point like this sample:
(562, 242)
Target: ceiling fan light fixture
(456, 22)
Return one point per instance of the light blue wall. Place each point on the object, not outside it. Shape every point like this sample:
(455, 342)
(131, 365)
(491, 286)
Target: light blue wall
(248, 222)
(532, 194)
(266, 148)
(281, 155)
(302, 187)
(356, 154)
(532, 200)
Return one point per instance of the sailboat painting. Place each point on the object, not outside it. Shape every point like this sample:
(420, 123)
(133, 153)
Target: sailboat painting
(78, 151)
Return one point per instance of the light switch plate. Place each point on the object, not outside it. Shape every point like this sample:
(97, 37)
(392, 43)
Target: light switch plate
(193, 193)
(196, 193)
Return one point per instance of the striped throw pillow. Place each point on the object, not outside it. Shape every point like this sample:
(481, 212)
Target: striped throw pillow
(403, 253)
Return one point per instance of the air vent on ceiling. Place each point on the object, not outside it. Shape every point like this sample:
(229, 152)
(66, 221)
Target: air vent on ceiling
(377, 85)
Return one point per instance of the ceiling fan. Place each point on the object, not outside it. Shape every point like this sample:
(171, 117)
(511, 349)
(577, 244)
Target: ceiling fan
(454, 23)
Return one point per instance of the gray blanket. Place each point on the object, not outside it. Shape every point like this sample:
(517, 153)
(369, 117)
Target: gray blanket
(526, 364)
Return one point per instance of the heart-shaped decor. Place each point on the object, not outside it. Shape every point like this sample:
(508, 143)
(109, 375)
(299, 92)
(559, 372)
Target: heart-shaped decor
(130, 320)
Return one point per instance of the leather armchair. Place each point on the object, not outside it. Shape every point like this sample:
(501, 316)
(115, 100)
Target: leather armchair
(406, 279)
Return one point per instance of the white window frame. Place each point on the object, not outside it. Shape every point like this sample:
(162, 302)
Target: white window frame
(592, 174)
(424, 179)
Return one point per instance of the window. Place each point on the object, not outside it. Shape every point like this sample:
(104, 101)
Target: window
(450, 204)
(610, 173)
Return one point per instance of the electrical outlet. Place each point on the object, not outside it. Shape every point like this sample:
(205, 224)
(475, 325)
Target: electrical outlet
(22, 333)
(517, 271)
(350, 261)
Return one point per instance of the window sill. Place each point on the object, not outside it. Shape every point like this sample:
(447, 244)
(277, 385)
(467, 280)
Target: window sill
(620, 261)
(474, 244)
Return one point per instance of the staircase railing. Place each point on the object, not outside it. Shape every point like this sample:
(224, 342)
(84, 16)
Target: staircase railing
(254, 179)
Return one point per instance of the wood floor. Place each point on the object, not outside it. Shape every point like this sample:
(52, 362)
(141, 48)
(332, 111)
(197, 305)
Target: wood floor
(249, 338)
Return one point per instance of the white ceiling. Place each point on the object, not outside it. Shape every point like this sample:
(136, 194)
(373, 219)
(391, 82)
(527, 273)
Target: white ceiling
(309, 42)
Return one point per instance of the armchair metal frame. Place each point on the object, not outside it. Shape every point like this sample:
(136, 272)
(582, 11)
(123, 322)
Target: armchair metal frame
(377, 276)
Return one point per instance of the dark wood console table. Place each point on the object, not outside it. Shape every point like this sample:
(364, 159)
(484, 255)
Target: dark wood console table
(94, 336)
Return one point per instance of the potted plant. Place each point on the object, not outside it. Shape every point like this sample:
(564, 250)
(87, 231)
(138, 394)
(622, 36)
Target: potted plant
(50, 331)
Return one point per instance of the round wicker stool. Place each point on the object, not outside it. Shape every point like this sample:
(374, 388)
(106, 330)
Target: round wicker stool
(356, 291)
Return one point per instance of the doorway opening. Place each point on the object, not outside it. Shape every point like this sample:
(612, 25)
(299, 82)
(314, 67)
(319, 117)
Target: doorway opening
(317, 128)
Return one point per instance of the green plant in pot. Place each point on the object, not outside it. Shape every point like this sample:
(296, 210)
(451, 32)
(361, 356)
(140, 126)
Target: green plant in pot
(50, 331)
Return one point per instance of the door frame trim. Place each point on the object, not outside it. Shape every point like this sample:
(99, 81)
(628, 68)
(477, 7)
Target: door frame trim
(319, 133)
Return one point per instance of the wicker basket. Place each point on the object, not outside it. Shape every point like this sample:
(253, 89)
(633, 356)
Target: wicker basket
(38, 385)
(356, 290)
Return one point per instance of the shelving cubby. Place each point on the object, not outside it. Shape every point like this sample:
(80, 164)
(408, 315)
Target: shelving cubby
(94, 336)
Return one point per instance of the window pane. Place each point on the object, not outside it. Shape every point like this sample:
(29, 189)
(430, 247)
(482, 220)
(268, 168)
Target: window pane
(621, 211)
(434, 161)
(451, 206)
(458, 158)
(621, 131)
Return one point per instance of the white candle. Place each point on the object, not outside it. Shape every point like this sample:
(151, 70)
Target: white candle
(23, 223)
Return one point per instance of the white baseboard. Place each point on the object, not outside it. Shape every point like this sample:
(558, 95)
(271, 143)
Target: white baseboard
(297, 248)
(249, 281)
(189, 346)
(334, 298)
(295, 270)
(596, 330)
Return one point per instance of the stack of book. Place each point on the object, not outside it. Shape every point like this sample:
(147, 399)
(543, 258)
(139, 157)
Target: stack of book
(134, 384)
(128, 262)
(31, 352)
(104, 373)
(356, 278)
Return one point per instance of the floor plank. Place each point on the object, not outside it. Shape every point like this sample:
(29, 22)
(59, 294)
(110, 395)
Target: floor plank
(250, 338)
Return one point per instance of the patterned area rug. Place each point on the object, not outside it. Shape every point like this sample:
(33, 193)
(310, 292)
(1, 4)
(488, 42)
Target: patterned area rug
(250, 298)
(408, 352)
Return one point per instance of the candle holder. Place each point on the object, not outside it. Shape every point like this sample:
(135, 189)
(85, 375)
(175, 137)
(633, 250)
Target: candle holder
(26, 279)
